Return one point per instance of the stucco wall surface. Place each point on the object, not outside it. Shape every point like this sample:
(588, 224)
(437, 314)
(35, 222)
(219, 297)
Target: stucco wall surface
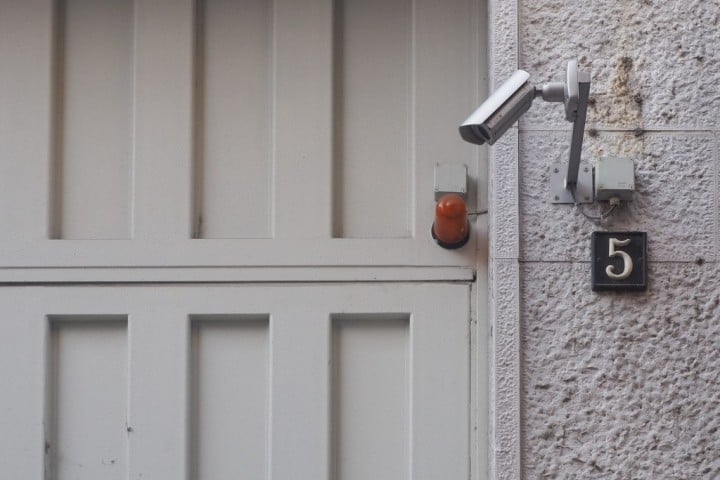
(611, 385)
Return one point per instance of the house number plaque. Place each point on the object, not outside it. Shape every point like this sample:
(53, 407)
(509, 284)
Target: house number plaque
(619, 261)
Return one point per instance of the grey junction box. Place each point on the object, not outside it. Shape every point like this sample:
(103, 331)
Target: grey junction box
(614, 177)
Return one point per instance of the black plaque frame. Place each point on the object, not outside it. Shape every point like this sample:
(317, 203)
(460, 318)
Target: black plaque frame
(637, 249)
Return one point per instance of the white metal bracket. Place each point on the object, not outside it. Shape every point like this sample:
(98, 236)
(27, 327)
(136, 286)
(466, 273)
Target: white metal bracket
(450, 178)
(567, 181)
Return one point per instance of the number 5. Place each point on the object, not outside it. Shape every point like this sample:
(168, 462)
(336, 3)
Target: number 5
(627, 261)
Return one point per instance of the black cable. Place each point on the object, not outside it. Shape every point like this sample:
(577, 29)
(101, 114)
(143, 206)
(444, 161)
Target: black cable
(580, 207)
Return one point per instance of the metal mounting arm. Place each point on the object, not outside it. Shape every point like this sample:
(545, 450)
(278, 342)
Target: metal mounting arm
(573, 183)
(582, 81)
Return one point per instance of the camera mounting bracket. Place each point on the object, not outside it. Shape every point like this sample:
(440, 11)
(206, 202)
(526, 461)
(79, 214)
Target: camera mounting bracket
(575, 187)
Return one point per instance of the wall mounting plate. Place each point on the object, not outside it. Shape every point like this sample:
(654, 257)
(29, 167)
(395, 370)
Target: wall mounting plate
(560, 194)
(450, 178)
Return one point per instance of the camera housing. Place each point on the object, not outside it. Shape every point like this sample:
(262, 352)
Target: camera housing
(503, 108)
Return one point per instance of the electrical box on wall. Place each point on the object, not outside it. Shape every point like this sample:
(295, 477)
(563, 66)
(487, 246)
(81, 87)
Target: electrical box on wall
(614, 178)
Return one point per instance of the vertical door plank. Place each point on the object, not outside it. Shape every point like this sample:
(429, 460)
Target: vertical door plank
(440, 385)
(373, 118)
(300, 352)
(446, 89)
(233, 164)
(23, 373)
(94, 118)
(26, 30)
(163, 119)
(158, 412)
(303, 118)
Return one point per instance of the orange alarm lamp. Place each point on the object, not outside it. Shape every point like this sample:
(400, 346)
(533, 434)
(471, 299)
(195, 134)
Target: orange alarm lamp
(451, 228)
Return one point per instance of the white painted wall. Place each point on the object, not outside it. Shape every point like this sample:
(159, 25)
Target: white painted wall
(602, 385)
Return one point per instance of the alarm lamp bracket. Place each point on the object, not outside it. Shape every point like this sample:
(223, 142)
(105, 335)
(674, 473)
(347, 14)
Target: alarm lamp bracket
(450, 178)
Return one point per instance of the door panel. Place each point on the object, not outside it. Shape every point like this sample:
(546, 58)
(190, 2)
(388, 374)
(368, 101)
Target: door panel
(280, 382)
(233, 99)
(93, 126)
(372, 107)
(88, 397)
(229, 390)
(370, 396)
(294, 132)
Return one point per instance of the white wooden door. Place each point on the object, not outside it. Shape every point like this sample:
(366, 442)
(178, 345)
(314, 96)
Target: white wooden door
(215, 259)
(227, 133)
(217, 382)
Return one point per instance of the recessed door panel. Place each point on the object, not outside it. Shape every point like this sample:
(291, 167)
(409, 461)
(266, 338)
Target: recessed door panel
(229, 396)
(93, 100)
(337, 381)
(87, 397)
(370, 396)
(373, 75)
(233, 119)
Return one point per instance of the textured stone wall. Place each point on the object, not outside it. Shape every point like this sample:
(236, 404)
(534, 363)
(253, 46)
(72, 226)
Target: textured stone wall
(611, 385)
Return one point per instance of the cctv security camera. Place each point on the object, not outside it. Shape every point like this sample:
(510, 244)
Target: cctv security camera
(499, 111)
(514, 97)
